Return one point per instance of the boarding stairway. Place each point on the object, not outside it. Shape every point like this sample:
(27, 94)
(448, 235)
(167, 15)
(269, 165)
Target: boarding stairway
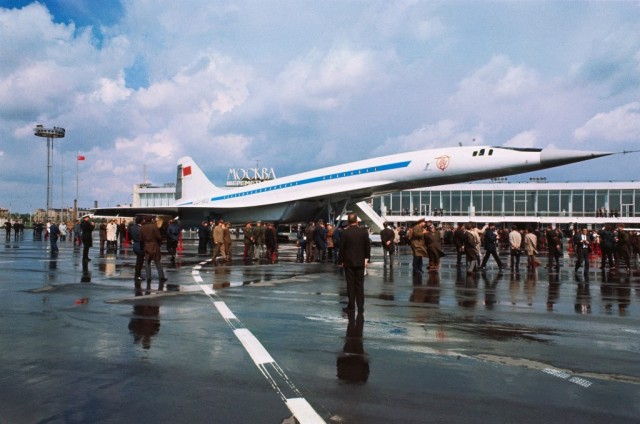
(368, 216)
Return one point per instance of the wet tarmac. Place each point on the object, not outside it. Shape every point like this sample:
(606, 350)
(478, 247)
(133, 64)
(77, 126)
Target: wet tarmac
(260, 343)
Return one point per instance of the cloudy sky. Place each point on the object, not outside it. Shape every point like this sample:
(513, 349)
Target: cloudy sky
(296, 85)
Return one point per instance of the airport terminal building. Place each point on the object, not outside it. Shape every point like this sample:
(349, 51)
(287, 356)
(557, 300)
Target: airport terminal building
(536, 201)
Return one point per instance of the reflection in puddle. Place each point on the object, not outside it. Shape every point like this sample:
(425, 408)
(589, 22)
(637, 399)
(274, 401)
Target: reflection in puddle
(144, 324)
(353, 363)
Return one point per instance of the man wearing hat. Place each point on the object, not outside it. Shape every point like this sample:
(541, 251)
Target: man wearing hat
(418, 246)
(87, 237)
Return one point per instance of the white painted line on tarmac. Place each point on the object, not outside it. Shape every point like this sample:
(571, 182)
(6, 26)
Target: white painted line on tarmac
(304, 412)
(580, 381)
(566, 376)
(255, 349)
(207, 290)
(224, 310)
(299, 407)
(556, 373)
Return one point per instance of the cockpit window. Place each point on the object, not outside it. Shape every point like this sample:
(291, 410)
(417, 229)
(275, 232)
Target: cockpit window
(481, 152)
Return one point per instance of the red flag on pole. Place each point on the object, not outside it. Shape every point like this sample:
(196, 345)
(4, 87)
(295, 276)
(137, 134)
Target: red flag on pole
(80, 157)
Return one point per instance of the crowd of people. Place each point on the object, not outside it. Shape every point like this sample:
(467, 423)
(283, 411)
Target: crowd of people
(615, 246)
(260, 241)
(40, 229)
(318, 241)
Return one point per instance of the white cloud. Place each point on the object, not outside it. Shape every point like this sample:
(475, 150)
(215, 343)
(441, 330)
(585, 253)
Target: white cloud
(405, 19)
(326, 81)
(524, 139)
(153, 147)
(441, 134)
(111, 91)
(619, 125)
(48, 67)
(497, 81)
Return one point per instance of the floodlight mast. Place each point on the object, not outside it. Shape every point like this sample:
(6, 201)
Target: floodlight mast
(49, 134)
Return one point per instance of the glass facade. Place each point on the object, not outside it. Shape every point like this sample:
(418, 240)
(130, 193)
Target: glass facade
(146, 195)
(516, 199)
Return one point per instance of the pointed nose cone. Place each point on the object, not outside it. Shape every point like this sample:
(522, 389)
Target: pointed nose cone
(557, 157)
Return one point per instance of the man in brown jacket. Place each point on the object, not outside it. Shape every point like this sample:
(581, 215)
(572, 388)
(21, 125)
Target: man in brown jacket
(227, 241)
(218, 241)
(418, 246)
(151, 240)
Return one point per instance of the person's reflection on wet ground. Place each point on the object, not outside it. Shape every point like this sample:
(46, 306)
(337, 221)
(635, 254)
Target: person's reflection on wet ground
(530, 287)
(353, 363)
(514, 287)
(467, 291)
(583, 296)
(417, 294)
(145, 322)
(53, 261)
(222, 276)
(428, 294)
(86, 274)
(623, 291)
(490, 284)
(432, 291)
(553, 292)
(387, 276)
(388, 287)
(615, 290)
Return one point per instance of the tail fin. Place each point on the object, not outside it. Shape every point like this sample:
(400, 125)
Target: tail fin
(191, 183)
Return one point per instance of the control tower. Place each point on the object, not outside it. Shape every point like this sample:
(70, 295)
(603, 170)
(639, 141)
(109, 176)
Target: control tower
(50, 134)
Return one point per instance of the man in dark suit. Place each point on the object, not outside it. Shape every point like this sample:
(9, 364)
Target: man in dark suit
(87, 237)
(54, 233)
(387, 237)
(582, 243)
(137, 249)
(355, 252)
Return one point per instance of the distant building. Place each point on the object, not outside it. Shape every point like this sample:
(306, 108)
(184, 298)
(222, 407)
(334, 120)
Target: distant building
(149, 195)
(59, 215)
(534, 201)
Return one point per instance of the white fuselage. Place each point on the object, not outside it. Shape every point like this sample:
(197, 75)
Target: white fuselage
(378, 175)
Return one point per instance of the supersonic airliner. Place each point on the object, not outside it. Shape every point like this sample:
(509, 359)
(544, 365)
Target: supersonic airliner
(310, 195)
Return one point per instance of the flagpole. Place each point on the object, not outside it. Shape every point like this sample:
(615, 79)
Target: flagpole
(62, 213)
(77, 199)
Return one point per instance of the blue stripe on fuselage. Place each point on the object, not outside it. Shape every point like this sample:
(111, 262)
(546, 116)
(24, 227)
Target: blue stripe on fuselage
(337, 175)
